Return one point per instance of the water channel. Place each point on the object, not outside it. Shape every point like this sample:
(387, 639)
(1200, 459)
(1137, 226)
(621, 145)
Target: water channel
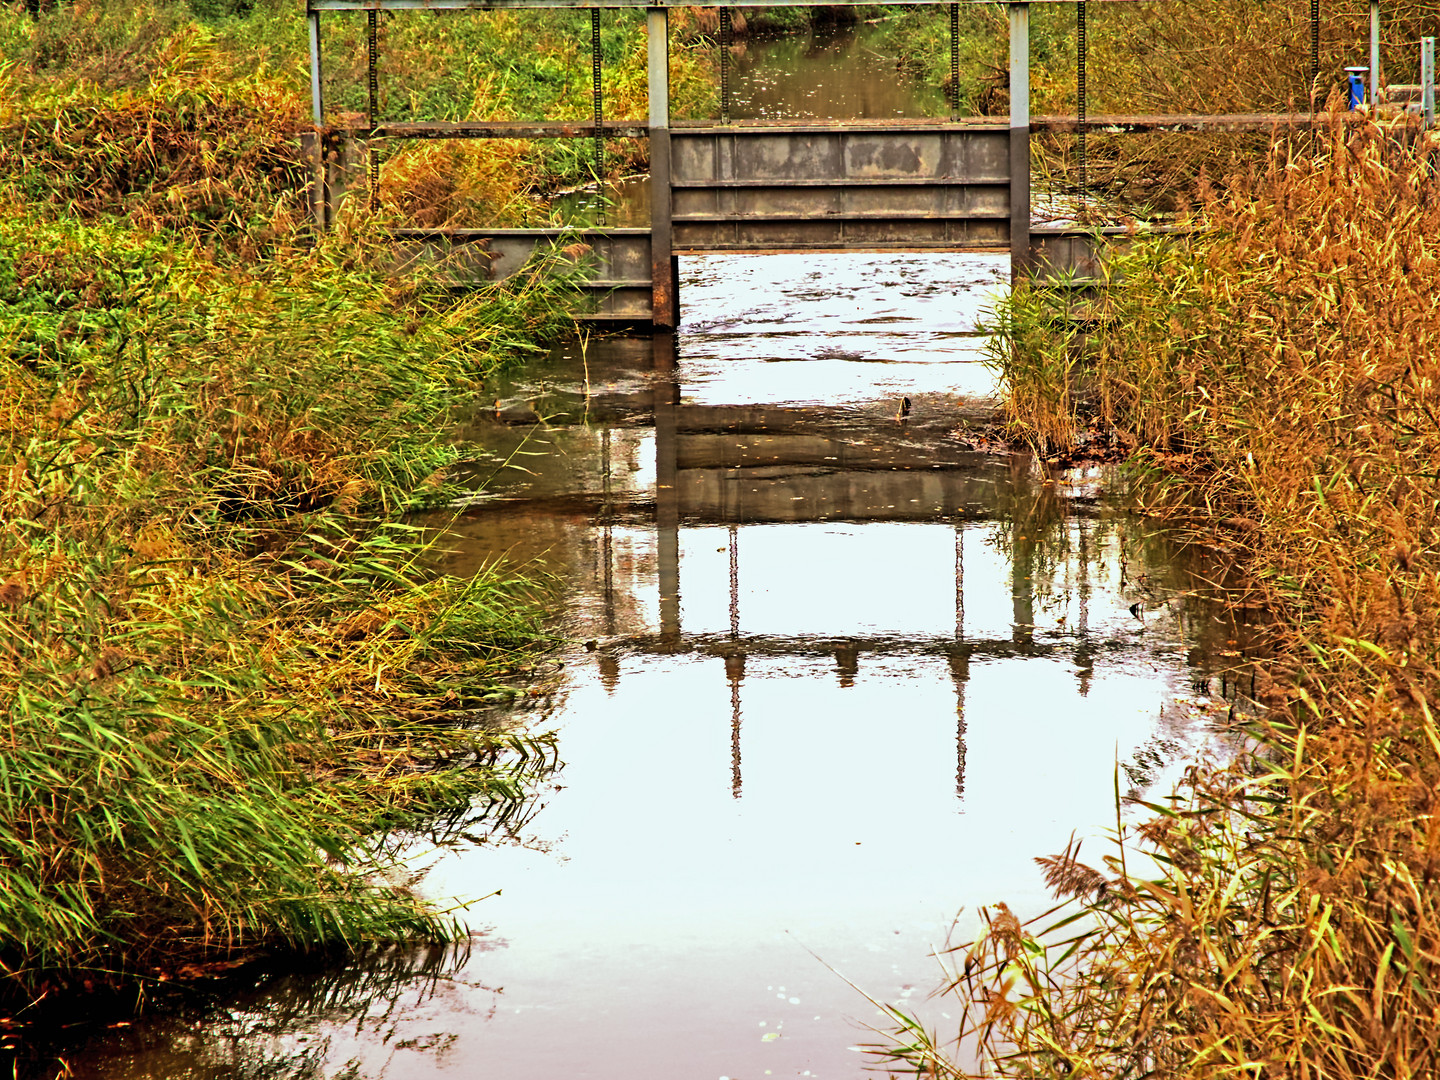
(836, 672)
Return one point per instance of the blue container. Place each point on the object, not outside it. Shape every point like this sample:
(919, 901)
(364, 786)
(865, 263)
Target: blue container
(1356, 86)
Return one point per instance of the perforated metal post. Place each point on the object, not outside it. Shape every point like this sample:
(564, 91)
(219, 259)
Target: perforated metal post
(1082, 50)
(372, 65)
(954, 61)
(726, 36)
(598, 103)
(1314, 51)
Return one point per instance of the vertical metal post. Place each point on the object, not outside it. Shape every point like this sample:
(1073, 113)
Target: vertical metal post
(662, 275)
(1082, 49)
(317, 102)
(1374, 53)
(1427, 80)
(1314, 51)
(319, 194)
(954, 61)
(597, 102)
(726, 35)
(372, 65)
(1019, 138)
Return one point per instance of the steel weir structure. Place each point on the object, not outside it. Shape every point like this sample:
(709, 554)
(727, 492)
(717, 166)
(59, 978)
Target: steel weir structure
(753, 186)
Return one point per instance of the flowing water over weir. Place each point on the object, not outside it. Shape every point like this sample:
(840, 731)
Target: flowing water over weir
(836, 673)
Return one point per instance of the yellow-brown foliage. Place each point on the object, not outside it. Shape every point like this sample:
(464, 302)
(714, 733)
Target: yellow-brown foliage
(1281, 919)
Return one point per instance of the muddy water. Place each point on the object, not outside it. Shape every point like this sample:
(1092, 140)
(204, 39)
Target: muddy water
(833, 674)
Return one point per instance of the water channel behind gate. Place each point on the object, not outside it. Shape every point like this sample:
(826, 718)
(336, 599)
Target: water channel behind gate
(846, 675)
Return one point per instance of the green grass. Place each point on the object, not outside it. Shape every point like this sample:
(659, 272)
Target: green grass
(226, 669)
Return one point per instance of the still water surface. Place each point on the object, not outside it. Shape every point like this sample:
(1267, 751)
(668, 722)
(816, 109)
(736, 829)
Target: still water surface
(846, 676)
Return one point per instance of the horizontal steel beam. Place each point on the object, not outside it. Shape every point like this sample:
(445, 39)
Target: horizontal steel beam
(619, 262)
(504, 129)
(638, 129)
(452, 5)
(1183, 122)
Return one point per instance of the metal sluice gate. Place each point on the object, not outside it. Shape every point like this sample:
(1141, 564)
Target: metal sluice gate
(942, 184)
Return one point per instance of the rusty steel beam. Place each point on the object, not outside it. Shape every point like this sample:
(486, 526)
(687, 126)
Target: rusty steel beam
(452, 5)
(636, 129)
(1186, 122)
(506, 129)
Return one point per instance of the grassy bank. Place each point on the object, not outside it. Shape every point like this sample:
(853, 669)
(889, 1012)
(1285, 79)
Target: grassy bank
(224, 668)
(1277, 378)
(1209, 57)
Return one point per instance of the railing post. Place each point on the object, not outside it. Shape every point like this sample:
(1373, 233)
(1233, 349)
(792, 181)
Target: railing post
(1019, 139)
(1374, 54)
(1427, 80)
(319, 188)
(662, 275)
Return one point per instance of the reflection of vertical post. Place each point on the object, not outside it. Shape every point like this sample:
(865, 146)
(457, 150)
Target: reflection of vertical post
(960, 675)
(1022, 586)
(607, 539)
(734, 583)
(959, 582)
(1019, 139)
(735, 674)
(959, 661)
(662, 277)
(1084, 655)
(667, 493)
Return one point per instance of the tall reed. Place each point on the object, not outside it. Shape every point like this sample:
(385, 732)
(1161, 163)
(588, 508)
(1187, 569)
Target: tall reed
(225, 668)
(1278, 916)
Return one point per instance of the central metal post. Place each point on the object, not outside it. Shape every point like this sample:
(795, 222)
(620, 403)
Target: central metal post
(1019, 139)
(319, 190)
(662, 275)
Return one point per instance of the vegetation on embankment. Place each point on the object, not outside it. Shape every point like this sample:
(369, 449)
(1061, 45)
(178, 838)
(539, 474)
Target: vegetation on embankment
(1207, 57)
(1279, 919)
(223, 665)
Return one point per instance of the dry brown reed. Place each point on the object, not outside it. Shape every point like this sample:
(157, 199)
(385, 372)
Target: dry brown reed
(1280, 917)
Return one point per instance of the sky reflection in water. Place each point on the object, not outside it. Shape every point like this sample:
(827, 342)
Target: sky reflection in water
(855, 678)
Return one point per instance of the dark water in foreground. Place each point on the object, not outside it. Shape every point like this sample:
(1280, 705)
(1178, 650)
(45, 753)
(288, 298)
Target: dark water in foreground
(848, 675)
